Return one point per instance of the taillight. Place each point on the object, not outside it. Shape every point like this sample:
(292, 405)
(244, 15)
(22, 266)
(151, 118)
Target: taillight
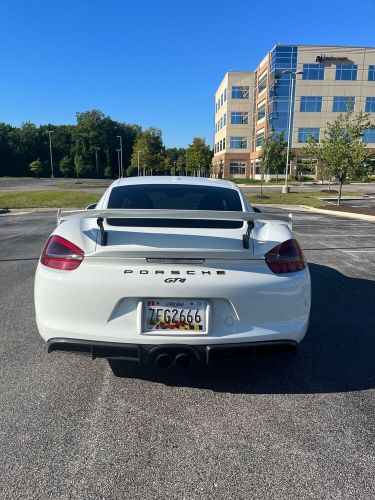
(286, 258)
(60, 253)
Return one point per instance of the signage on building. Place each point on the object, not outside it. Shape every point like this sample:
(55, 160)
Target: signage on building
(323, 58)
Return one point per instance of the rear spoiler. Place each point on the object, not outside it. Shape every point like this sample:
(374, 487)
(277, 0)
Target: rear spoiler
(116, 213)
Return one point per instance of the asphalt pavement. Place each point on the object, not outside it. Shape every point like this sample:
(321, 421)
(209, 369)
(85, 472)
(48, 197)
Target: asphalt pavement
(280, 427)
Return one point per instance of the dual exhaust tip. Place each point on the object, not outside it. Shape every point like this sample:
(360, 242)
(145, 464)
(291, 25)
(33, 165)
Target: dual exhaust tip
(182, 360)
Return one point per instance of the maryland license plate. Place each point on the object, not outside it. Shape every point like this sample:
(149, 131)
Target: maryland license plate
(175, 316)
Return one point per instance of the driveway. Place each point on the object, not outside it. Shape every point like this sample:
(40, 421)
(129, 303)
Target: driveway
(279, 427)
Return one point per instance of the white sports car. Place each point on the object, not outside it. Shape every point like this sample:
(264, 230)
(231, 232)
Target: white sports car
(170, 271)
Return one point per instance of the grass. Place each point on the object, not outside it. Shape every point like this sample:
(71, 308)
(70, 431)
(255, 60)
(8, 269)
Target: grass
(47, 199)
(310, 198)
(79, 199)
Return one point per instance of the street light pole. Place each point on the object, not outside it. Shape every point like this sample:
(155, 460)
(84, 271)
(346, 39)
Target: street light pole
(122, 170)
(50, 152)
(119, 164)
(286, 187)
(293, 75)
(138, 162)
(96, 160)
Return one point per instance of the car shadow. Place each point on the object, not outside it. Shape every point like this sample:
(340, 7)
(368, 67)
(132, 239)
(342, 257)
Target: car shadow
(337, 355)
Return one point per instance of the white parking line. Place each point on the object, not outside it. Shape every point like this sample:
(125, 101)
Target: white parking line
(358, 251)
(15, 213)
(331, 235)
(9, 236)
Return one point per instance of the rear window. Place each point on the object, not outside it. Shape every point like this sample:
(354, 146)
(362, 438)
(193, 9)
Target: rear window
(175, 197)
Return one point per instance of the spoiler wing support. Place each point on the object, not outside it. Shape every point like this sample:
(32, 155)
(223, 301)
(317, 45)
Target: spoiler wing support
(103, 232)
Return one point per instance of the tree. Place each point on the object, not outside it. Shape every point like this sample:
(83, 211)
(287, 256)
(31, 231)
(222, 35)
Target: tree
(108, 172)
(198, 156)
(36, 167)
(167, 165)
(171, 156)
(272, 156)
(79, 166)
(341, 153)
(149, 145)
(21, 145)
(108, 169)
(66, 166)
(181, 164)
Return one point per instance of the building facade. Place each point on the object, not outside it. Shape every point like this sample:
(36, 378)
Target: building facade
(294, 88)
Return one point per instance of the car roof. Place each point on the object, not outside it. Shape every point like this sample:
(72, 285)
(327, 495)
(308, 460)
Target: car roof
(167, 179)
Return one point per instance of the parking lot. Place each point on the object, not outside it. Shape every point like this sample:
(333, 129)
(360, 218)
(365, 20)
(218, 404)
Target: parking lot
(278, 427)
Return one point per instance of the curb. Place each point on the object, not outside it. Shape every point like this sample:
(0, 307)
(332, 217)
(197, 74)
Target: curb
(349, 215)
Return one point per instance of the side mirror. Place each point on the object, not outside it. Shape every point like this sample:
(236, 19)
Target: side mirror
(91, 207)
(257, 210)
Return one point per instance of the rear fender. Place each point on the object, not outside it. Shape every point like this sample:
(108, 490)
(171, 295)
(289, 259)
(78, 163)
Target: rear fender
(267, 236)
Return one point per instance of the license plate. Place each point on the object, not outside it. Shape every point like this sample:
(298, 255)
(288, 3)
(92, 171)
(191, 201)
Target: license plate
(175, 316)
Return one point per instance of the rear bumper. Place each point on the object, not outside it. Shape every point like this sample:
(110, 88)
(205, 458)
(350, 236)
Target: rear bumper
(147, 353)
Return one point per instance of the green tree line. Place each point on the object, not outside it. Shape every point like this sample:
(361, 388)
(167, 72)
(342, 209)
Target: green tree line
(91, 148)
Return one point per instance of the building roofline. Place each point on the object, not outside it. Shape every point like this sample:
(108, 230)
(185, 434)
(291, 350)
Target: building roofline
(321, 45)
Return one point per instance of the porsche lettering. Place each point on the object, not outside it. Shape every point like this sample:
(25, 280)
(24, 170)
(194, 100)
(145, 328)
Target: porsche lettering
(174, 272)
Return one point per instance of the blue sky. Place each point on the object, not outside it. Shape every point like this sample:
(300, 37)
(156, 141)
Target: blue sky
(155, 63)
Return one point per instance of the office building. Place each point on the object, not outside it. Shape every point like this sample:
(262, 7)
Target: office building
(306, 86)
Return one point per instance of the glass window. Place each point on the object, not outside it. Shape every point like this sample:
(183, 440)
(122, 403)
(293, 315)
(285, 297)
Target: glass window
(371, 73)
(225, 119)
(259, 139)
(222, 99)
(240, 92)
(311, 104)
(369, 135)
(284, 57)
(346, 72)
(261, 112)
(221, 145)
(305, 133)
(224, 143)
(370, 105)
(343, 103)
(262, 84)
(239, 118)
(313, 72)
(225, 95)
(238, 142)
(237, 168)
(173, 197)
